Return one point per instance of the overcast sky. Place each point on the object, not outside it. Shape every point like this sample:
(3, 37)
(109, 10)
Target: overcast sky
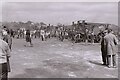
(61, 12)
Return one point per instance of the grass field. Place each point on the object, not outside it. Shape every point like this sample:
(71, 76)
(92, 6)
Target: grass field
(56, 59)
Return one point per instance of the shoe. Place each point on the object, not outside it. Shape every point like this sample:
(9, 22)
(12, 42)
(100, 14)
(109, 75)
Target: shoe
(109, 66)
(104, 64)
(114, 66)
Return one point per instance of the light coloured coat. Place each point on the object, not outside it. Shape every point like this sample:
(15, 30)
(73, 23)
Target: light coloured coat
(4, 51)
(110, 43)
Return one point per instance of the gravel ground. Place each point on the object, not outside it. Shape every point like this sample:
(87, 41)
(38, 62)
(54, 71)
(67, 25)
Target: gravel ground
(56, 59)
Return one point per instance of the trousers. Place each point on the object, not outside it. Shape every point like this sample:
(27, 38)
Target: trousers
(3, 71)
(112, 60)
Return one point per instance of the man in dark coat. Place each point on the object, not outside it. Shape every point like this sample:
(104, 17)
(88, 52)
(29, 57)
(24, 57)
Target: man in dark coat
(28, 38)
(103, 48)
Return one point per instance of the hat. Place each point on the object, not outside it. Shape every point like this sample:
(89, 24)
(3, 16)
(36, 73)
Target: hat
(109, 30)
(105, 31)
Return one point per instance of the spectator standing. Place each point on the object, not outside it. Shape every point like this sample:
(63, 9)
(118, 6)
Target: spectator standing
(28, 38)
(111, 42)
(4, 59)
(103, 48)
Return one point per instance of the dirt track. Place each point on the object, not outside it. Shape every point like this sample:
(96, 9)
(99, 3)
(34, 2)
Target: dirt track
(55, 59)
